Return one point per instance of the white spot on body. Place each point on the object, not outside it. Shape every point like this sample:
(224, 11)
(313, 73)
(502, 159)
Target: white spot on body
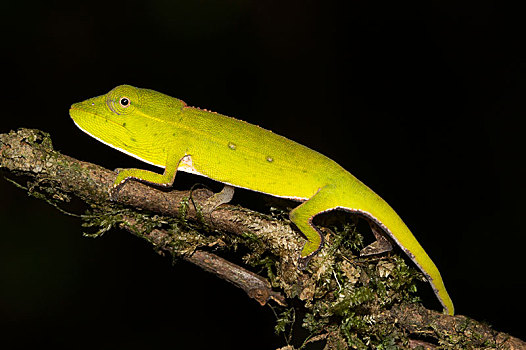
(187, 165)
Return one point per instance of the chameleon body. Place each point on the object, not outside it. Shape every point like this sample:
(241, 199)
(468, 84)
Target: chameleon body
(164, 131)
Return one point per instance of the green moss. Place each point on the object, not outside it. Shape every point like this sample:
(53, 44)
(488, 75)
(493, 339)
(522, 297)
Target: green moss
(285, 320)
(183, 209)
(353, 289)
(37, 138)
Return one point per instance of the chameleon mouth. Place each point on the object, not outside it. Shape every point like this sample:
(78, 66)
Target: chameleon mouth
(80, 114)
(94, 125)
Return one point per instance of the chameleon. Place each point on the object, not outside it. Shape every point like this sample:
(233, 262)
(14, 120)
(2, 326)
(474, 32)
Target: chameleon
(165, 132)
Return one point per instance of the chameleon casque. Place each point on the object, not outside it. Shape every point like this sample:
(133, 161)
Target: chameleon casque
(164, 131)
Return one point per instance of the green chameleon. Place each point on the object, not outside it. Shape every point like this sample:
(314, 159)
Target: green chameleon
(164, 131)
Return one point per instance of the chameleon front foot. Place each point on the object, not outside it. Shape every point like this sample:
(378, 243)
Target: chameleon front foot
(113, 191)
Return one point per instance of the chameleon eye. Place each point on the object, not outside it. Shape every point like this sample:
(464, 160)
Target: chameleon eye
(124, 101)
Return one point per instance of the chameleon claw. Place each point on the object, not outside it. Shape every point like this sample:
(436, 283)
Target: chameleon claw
(303, 262)
(113, 191)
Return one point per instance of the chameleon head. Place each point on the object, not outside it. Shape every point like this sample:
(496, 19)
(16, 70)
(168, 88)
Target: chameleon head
(120, 119)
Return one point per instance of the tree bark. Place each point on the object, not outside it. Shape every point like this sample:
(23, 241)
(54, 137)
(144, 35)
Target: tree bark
(349, 301)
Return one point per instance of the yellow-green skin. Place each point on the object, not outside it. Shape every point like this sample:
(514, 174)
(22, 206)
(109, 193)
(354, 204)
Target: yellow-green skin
(164, 131)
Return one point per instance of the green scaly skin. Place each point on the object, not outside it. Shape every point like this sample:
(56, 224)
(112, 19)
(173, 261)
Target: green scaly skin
(164, 131)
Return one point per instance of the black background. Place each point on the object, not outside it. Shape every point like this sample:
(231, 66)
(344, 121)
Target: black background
(420, 100)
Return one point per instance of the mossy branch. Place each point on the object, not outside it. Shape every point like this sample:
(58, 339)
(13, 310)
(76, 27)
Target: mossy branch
(349, 301)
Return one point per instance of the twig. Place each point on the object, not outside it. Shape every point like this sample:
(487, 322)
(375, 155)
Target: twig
(254, 285)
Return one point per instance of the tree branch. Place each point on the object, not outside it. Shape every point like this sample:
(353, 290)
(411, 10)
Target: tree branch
(349, 301)
(29, 152)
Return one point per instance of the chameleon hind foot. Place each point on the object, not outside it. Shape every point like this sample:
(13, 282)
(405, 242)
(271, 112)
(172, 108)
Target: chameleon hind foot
(222, 197)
